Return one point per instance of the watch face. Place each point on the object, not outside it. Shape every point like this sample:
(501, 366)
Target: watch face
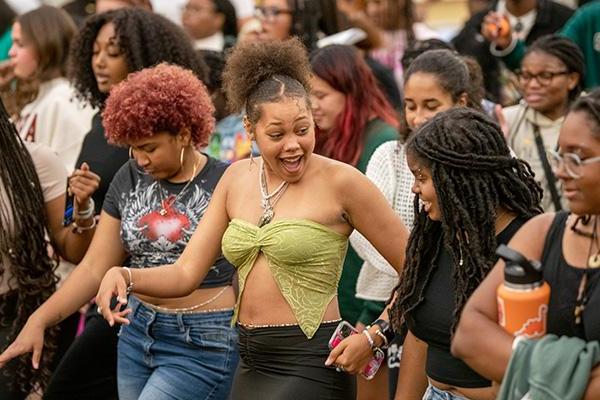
(383, 324)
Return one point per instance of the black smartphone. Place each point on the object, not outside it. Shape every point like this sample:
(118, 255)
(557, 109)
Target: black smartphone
(69, 204)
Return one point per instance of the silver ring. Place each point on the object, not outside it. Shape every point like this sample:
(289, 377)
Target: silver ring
(99, 309)
(340, 368)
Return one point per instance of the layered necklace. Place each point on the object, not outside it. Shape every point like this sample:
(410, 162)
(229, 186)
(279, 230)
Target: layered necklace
(593, 262)
(268, 200)
(166, 204)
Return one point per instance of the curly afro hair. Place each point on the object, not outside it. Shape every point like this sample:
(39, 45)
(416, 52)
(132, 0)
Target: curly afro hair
(145, 38)
(261, 72)
(158, 99)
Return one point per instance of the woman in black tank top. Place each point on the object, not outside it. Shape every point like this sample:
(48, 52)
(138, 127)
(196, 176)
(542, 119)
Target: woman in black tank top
(465, 182)
(568, 246)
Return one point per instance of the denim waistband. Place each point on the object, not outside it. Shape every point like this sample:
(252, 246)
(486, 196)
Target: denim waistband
(439, 394)
(142, 312)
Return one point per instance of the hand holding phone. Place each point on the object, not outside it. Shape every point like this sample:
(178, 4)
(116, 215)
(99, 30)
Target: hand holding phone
(345, 330)
(69, 204)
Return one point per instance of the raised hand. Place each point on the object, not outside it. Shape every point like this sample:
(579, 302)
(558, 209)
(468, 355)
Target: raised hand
(83, 183)
(496, 29)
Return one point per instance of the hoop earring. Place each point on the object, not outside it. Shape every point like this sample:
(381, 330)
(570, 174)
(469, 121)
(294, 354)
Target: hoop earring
(181, 158)
(130, 152)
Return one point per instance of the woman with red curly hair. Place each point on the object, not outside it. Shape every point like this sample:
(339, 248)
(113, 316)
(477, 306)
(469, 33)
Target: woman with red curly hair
(172, 348)
(353, 118)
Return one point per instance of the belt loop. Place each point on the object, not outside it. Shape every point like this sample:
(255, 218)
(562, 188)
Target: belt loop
(134, 304)
(180, 323)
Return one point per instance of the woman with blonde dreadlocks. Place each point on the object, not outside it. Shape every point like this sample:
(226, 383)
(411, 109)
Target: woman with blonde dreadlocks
(471, 196)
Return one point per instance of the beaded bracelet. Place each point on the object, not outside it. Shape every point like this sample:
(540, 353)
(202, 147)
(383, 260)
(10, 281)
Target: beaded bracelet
(88, 212)
(80, 229)
(369, 338)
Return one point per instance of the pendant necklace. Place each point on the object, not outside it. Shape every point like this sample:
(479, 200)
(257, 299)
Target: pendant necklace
(165, 204)
(593, 262)
(268, 200)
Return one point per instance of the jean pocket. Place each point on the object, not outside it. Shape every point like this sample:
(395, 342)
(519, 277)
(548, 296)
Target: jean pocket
(214, 338)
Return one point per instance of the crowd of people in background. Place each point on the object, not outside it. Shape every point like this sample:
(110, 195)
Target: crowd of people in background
(266, 199)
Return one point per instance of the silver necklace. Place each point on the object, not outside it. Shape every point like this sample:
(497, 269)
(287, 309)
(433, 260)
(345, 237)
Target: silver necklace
(165, 204)
(268, 200)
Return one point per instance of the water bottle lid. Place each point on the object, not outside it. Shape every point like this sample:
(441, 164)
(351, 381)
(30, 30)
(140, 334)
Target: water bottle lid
(519, 270)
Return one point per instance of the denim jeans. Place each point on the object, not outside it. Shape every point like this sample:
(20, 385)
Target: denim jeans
(434, 393)
(176, 356)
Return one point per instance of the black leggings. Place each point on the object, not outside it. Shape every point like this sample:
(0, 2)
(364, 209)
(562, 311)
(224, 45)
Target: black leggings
(89, 368)
(281, 363)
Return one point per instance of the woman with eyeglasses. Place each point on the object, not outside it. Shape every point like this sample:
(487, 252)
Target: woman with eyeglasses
(568, 246)
(279, 20)
(551, 76)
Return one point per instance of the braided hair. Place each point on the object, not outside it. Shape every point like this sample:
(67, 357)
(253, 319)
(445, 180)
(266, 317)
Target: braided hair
(24, 251)
(473, 174)
(567, 52)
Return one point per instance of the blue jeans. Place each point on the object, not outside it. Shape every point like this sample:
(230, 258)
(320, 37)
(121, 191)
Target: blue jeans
(434, 393)
(176, 356)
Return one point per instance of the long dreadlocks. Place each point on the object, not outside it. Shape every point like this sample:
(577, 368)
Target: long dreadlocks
(23, 250)
(473, 174)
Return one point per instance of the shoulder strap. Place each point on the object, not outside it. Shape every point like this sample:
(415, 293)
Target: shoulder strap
(554, 234)
(550, 178)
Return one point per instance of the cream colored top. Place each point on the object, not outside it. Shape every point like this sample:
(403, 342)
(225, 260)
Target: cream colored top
(521, 120)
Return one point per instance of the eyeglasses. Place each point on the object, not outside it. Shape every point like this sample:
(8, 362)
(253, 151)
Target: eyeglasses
(270, 13)
(572, 162)
(543, 78)
(196, 9)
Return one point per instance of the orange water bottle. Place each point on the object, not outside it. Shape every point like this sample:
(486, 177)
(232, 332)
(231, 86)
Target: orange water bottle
(523, 297)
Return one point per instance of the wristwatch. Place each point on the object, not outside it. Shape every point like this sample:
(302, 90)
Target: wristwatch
(386, 329)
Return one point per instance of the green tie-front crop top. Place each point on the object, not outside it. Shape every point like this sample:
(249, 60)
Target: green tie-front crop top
(305, 258)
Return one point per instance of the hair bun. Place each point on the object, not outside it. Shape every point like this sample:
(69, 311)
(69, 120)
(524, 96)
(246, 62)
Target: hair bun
(250, 63)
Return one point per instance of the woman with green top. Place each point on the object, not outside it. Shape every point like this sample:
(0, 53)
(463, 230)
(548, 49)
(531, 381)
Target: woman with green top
(353, 118)
(283, 221)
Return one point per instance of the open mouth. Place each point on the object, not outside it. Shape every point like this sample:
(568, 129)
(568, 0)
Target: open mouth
(292, 164)
(427, 206)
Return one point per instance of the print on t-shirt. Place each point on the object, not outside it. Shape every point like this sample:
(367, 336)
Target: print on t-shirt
(158, 218)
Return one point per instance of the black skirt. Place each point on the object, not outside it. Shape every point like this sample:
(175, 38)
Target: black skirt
(280, 363)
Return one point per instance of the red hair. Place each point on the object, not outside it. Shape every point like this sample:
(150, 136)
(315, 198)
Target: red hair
(158, 99)
(345, 71)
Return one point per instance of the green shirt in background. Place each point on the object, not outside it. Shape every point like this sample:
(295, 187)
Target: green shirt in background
(583, 28)
(352, 309)
(5, 44)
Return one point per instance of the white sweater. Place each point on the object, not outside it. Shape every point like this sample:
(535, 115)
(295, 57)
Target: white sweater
(389, 171)
(57, 119)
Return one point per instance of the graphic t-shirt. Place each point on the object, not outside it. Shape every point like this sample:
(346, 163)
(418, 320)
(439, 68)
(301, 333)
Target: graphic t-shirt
(153, 238)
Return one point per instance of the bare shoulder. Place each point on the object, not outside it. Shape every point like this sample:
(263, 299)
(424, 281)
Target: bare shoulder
(241, 169)
(530, 239)
(540, 223)
(337, 174)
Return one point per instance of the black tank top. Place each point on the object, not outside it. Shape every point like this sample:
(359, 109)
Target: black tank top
(564, 281)
(431, 320)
